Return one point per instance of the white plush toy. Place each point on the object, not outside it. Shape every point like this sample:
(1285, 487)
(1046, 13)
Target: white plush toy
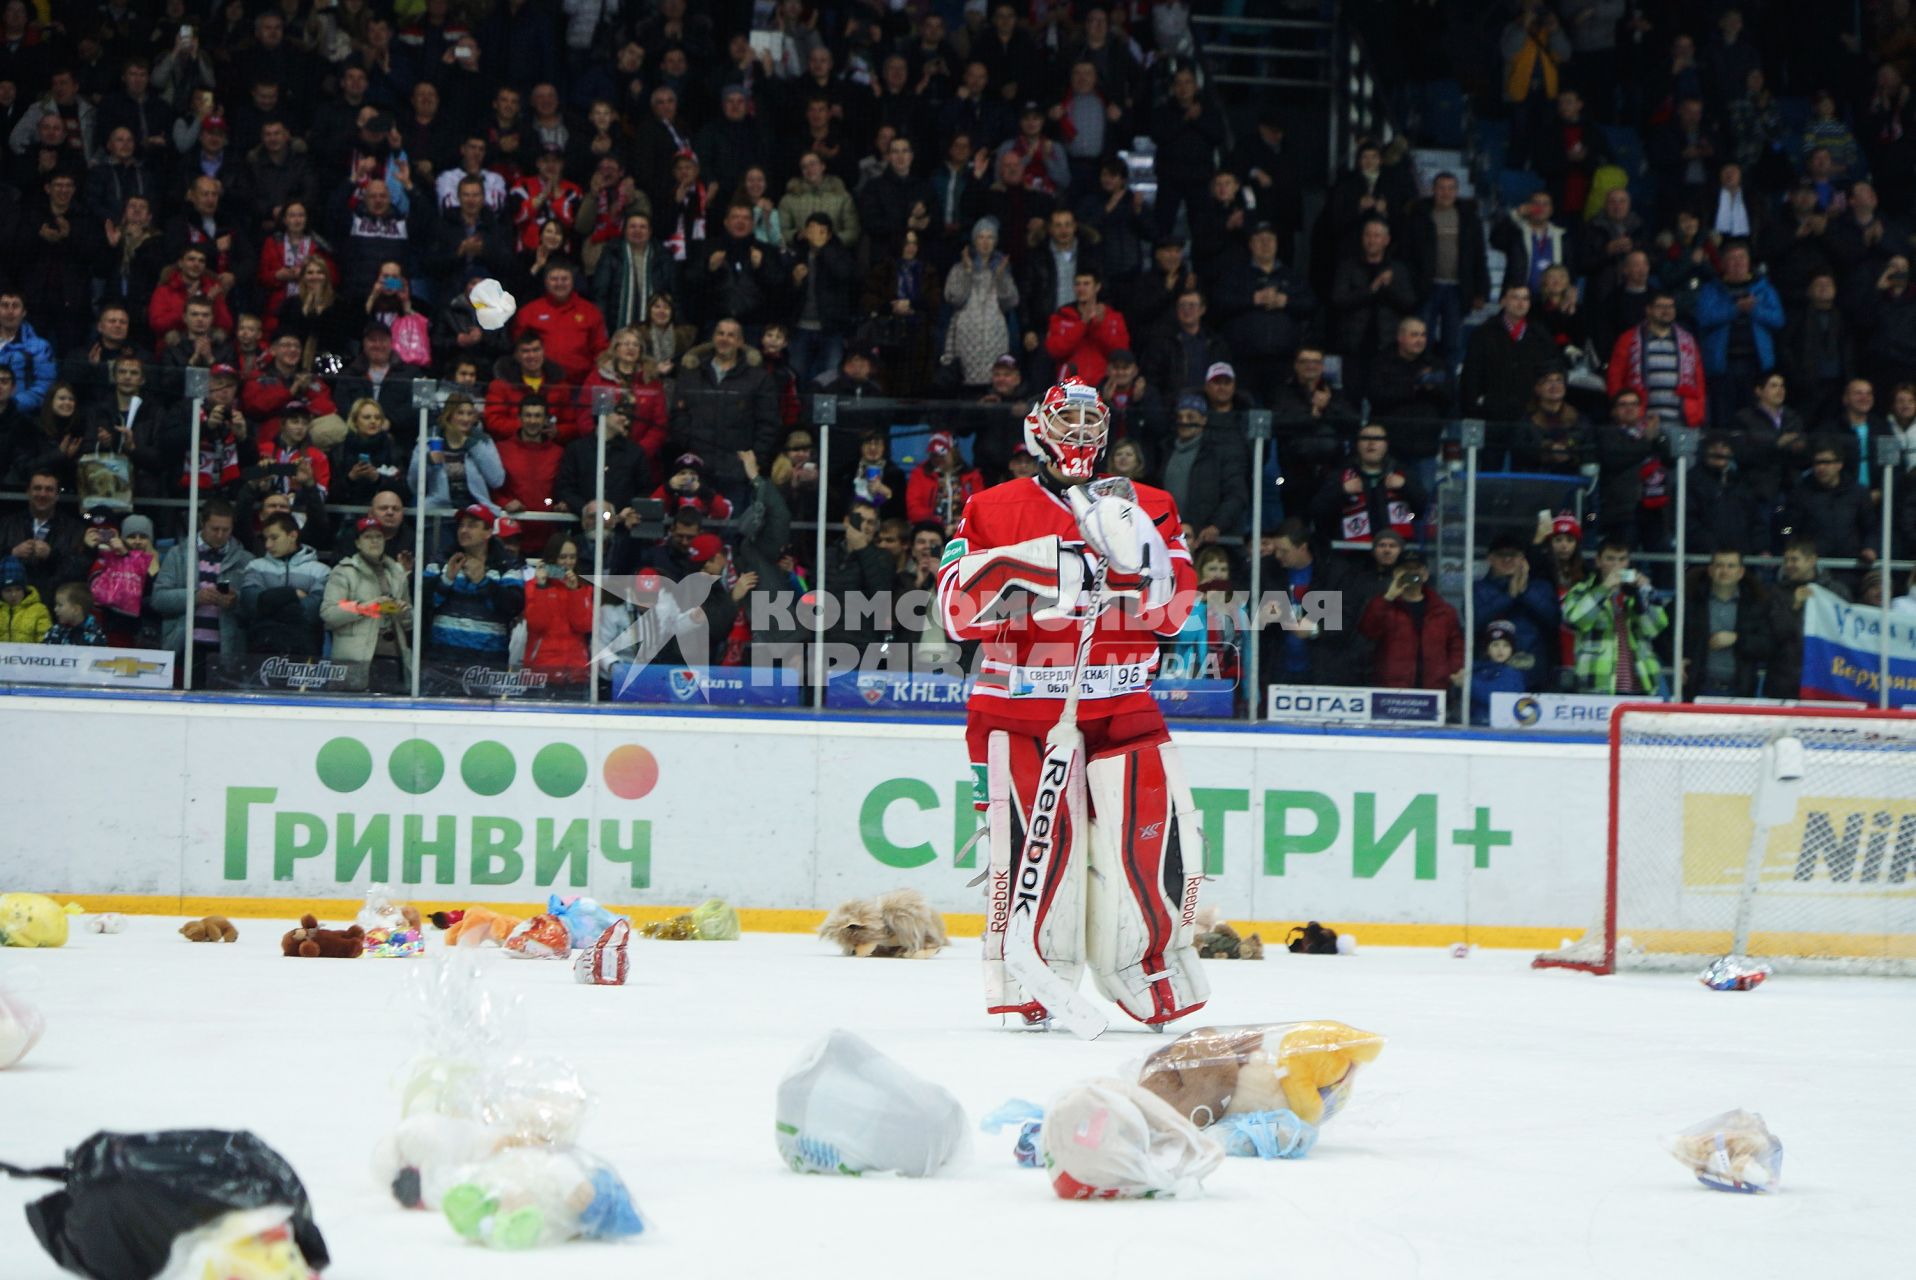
(492, 304)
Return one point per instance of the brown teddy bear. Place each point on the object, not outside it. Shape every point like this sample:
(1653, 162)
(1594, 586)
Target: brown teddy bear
(311, 940)
(209, 929)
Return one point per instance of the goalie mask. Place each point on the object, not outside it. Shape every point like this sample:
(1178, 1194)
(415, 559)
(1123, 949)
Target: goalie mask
(1067, 429)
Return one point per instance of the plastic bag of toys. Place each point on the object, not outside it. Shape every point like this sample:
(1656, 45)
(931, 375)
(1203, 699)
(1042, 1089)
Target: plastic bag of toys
(1113, 1140)
(1732, 1152)
(584, 919)
(844, 1107)
(130, 1198)
(543, 937)
(392, 928)
(526, 1197)
(1303, 1068)
(20, 1027)
(464, 1028)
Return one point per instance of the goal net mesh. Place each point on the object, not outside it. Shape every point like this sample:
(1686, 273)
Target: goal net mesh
(1834, 885)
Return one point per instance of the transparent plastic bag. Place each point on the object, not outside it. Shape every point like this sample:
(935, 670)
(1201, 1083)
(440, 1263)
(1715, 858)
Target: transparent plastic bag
(528, 1197)
(1304, 1068)
(392, 928)
(844, 1107)
(1732, 1152)
(1110, 1139)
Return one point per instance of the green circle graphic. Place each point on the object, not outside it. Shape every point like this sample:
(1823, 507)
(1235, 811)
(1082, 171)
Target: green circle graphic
(488, 768)
(559, 769)
(344, 764)
(416, 766)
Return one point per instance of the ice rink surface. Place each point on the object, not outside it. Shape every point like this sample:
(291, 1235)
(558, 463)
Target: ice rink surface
(1511, 1128)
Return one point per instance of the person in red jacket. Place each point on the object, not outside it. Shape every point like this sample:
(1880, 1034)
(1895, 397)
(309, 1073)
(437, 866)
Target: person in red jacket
(187, 278)
(1419, 642)
(1082, 336)
(571, 327)
(559, 618)
(1660, 361)
(941, 485)
(531, 458)
(527, 375)
(265, 393)
(1015, 578)
(283, 256)
(623, 368)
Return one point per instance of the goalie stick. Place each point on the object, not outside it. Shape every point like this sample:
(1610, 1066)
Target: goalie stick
(1063, 752)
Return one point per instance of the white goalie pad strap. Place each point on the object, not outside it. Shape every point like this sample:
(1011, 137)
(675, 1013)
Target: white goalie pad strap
(980, 584)
(1147, 866)
(1061, 922)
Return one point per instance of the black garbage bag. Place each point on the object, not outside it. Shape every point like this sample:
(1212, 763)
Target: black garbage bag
(129, 1195)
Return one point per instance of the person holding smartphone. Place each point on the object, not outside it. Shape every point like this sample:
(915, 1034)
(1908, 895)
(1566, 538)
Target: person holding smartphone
(1616, 616)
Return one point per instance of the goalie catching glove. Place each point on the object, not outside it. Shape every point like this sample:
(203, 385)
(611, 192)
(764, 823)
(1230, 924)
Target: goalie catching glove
(1116, 528)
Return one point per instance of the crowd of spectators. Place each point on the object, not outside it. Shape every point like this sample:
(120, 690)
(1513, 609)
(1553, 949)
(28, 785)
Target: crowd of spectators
(710, 216)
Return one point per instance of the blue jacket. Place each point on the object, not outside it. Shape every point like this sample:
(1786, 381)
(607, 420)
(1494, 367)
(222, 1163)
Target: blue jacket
(474, 619)
(30, 356)
(1486, 678)
(1716, 309)
(1534, 614)
(483, 471)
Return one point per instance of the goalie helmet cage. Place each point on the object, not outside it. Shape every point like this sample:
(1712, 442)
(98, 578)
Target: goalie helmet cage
(1828, 884)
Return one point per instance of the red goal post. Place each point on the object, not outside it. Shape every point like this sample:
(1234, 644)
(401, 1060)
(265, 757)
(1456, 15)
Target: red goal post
(1708, 846)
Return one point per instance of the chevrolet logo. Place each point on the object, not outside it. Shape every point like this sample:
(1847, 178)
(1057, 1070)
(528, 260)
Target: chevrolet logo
(125, 668)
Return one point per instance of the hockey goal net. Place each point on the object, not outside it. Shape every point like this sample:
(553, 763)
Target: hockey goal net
(1787, 834)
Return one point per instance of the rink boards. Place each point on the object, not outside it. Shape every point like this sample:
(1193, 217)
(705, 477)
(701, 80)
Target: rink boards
(241, 808)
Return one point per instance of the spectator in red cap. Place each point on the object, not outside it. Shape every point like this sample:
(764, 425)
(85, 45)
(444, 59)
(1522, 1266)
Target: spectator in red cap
(1082, 335)
(368, 609)
(511, 535)
(571, 328)
(473, 598)
(531, 460)
(1556, 557)
(941, 485)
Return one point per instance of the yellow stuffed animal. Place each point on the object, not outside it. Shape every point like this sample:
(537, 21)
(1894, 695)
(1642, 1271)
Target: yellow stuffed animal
(31, 920)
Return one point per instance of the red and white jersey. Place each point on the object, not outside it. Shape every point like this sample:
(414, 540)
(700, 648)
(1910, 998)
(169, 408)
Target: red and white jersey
(1025, 664)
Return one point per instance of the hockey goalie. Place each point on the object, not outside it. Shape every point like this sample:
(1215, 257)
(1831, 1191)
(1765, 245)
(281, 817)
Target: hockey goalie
(1095, 853)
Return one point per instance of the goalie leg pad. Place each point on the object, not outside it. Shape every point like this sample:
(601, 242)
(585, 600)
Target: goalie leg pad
(1012, 764)
(1147, 865)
